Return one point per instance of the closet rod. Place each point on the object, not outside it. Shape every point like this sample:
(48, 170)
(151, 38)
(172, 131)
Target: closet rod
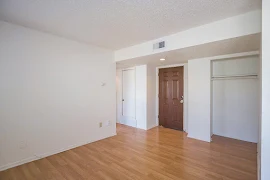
(235, 77)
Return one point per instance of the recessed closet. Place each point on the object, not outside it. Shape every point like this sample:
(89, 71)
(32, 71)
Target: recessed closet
(235, 98)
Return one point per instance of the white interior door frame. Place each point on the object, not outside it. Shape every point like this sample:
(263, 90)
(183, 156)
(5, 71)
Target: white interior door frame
(128, 116)
(185, 119)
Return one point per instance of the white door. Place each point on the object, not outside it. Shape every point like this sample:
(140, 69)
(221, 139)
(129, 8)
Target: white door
(128, 101)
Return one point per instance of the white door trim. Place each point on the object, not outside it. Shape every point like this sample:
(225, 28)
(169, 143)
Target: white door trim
(119, 109)
(185, 119)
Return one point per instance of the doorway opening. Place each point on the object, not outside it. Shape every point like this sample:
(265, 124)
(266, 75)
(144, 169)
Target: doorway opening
(128, 97)
(171, 97)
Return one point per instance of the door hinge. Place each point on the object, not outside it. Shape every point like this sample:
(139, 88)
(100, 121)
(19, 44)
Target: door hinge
(158, 116)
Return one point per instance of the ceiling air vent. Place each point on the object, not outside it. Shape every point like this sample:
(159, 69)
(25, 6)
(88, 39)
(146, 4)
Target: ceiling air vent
(159, 45)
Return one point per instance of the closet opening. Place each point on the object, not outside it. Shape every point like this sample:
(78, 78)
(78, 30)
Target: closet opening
(235, 98)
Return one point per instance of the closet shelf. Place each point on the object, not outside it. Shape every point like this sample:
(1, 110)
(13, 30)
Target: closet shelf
(249, 76)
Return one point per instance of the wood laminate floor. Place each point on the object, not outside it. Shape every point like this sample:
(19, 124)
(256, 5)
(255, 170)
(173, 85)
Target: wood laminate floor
(135, 154)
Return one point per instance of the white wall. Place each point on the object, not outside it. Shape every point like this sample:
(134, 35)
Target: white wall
(199, 99)
(265, 124)
(51, 95)
(235, 109)
(118, 95)
(241, 25)
(260, 119)
(141, 96)
(151, 97)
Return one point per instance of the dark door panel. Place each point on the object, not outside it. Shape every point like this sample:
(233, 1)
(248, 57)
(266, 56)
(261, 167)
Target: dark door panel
(171, 85)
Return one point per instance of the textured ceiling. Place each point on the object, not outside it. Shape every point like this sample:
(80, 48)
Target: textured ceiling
(117, 24)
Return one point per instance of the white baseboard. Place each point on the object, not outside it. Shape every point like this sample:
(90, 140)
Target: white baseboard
(237, 138)
(152, 126)
(37, 157)
(199, 138)
(128, 122)
(132, 125)
(17, 163)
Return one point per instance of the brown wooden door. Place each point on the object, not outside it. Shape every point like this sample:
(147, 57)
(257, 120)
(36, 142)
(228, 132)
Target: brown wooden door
(171, 93)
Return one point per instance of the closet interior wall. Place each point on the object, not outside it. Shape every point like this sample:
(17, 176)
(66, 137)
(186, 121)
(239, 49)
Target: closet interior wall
(235, 98)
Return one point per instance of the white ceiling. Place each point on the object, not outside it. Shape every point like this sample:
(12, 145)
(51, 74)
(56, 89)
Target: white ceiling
(117, 24)
(229, 46)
